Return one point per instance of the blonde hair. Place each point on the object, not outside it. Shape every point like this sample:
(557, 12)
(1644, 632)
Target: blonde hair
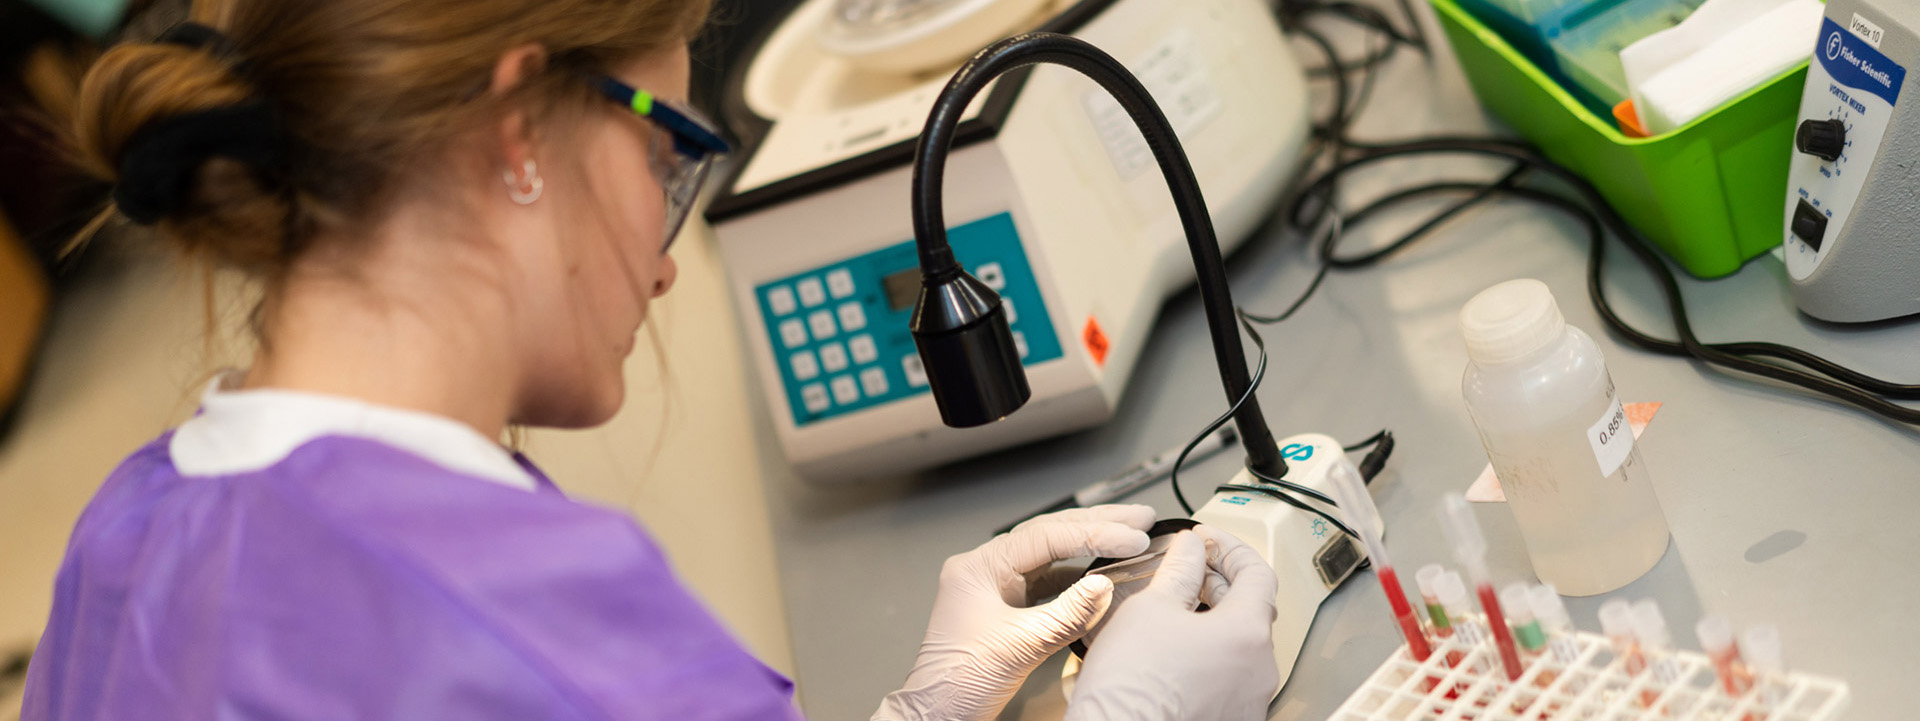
(363, 92)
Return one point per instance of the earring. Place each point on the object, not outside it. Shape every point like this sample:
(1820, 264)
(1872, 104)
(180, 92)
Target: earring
(527, 191)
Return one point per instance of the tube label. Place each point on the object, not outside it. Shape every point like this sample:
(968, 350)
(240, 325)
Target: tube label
(1611, 438)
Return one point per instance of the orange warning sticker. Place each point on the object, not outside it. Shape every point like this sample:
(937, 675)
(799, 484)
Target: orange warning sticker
(1096, 341)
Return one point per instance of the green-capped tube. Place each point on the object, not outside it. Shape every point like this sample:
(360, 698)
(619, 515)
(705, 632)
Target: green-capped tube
(1526, 628)
(1428, 579)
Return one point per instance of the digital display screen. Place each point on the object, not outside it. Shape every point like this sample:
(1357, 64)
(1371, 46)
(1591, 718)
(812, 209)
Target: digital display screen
(903, 288)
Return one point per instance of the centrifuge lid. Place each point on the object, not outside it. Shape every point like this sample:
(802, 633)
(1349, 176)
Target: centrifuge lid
(744, 120)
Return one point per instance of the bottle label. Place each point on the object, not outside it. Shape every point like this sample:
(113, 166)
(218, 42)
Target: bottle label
(1611, 438)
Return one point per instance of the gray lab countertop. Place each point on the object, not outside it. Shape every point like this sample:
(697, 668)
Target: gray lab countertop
(1784, 508)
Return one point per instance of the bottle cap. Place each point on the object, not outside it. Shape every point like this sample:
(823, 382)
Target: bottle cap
(1513, 602)
(1616, 619)
(1760, 648)
(1715, 632)
(1428, 578)
(1547, 606)
(1506, 322)
(1453, 595)
(1649, 626)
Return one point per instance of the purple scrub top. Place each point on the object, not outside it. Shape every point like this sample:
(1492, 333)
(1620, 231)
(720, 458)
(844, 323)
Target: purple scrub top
(354, 580)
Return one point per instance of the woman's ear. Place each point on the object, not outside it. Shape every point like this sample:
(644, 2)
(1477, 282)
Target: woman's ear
(515, 131)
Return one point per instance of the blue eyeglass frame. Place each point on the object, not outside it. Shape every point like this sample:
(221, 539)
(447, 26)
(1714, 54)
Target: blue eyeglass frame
(695, 140)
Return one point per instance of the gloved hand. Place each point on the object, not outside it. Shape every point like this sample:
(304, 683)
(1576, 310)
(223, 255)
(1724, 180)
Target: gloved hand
(982, 641)
(1157, 659)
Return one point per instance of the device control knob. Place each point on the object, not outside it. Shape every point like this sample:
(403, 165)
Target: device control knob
(1822, 138)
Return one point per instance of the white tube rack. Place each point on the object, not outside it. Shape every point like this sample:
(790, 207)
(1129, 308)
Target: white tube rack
(1594, 686)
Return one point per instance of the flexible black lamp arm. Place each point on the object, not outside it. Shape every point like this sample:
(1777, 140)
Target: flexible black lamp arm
(951, 305)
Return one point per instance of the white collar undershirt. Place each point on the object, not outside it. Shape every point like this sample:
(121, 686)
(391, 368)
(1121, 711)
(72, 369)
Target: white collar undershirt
(241, 431)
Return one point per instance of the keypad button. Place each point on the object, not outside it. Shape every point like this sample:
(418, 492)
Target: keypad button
(804, 366)
(863, 349)
(873, 381)
(1020, 343)
(833, 357)
(811, 294)
(822, 323)
(781, 300)
(793, 333)
(840, 283)
(814, 396)
(1007, 305)
(852, 317)
(916, 373)
(845, 390)
(988, 273)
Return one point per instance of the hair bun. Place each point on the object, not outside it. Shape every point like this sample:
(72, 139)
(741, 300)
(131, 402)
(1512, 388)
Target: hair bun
(158, 165)
(189, 146)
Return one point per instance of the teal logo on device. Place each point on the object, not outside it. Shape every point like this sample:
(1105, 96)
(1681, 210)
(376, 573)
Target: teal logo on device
(1297, 452)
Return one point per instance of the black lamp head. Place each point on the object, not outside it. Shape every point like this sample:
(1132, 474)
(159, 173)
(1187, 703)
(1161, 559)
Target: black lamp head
(972, 364)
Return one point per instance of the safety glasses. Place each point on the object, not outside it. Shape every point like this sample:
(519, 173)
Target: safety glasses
(679, 157)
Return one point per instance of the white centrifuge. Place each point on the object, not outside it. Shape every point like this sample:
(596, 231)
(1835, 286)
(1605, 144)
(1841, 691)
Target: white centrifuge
(1054, 199)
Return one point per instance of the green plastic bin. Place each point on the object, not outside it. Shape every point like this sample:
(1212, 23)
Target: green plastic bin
(1710, 193)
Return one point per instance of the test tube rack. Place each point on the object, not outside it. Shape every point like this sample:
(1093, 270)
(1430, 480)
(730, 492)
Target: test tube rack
(1594, 686)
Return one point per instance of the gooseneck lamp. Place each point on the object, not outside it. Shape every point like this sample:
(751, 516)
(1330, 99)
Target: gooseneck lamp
(972, 365)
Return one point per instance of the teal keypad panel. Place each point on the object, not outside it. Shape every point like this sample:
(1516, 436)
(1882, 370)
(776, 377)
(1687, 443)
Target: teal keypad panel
(839, 332)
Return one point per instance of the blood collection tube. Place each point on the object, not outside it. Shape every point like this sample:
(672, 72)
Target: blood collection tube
(1356, 506)
(1526, 627)
(1760, 647)
(1716, 638)
(1650, 628)
(1459, 610)
(1470, 548)
(1616, 621)
(1428, 580)
(1551, 613)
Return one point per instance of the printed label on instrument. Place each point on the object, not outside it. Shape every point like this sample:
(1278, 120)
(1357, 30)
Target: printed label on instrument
(1866, 30)
(1175, 73)
(1611, 438)
(1856, 85)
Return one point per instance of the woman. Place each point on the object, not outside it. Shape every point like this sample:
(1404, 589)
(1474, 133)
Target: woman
(459, 211)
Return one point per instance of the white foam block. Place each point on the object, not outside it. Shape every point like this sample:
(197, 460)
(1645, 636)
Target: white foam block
(1658, 51)
(1731, 65)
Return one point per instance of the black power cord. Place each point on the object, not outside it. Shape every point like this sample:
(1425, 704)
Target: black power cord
(1330, 140)
(1321, 193)
(1820, 375)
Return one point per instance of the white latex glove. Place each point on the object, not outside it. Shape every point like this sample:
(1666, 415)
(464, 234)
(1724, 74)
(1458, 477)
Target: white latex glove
(1158, 659)
(982, 642)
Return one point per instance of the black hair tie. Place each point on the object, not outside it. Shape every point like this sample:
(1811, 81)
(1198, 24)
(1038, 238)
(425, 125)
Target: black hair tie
(157, 168)
(158, 164)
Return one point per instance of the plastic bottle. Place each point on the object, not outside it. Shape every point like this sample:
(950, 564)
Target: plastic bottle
(1558, 439)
